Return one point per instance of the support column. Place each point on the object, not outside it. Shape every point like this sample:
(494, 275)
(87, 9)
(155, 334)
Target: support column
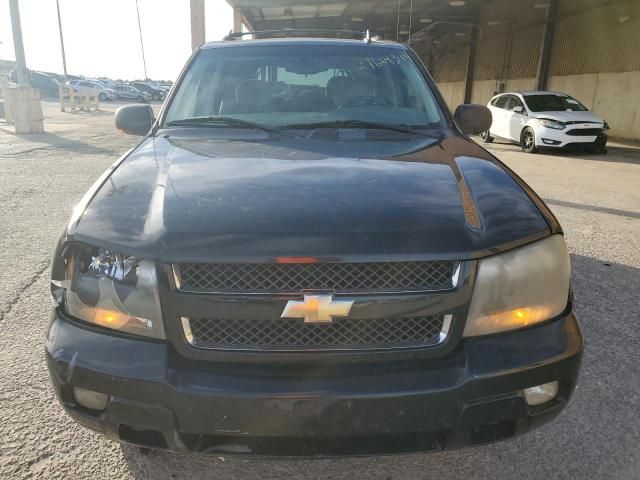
(24, 101)
(237, 19)
(21, 64)
(197, 23)
(547, 44)
(471, 64)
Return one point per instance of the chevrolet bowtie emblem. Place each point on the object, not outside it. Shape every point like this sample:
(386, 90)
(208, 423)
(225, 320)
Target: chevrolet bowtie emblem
(317, 308)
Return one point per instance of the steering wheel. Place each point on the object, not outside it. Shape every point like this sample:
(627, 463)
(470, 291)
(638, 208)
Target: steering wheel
(364, 100)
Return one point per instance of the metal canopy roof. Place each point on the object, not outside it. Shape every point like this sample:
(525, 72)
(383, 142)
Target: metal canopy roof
(390, 19)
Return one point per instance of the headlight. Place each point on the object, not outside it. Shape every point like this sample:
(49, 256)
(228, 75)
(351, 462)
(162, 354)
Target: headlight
(552, 124)
(520, 288)
(114, 291)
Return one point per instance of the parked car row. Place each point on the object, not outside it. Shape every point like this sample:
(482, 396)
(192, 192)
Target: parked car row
(136, 91)
(108, 90)
(104, 93)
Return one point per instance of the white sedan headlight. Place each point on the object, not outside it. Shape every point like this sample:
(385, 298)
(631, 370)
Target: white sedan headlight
(552, 124)
(520, 288)
(113, 291)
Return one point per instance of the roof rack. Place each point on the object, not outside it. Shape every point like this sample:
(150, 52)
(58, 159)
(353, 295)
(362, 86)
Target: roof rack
(364, 35)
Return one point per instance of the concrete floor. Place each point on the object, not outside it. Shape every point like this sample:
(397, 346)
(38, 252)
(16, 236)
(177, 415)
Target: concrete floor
(596, 198)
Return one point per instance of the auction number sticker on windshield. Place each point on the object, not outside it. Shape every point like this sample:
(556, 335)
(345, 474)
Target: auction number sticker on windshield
(379, 62)
(571, 100)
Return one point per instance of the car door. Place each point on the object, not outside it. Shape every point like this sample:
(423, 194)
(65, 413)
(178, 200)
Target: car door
(507, 116)
(517, 115)
(498, 126)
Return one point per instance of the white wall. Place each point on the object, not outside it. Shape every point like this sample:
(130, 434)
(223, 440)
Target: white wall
(453, 93)
(483, 90)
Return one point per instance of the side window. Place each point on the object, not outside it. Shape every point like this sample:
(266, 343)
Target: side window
(501, 102)
(516, 102)
(510, 103)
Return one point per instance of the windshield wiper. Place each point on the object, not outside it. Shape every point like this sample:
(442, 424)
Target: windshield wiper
(216, 121)
(359, 124)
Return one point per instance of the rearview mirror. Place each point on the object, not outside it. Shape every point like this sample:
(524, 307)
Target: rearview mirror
(473, 119)
(134, 119)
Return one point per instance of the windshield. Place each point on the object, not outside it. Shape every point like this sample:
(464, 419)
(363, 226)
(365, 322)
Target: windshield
(296, 85)
(553, 103)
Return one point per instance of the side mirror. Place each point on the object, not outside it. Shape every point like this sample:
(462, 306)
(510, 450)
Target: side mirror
(473, 119)
(519, 109)
(134, 119)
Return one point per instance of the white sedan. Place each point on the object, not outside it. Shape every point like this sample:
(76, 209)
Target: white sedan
(545, 120)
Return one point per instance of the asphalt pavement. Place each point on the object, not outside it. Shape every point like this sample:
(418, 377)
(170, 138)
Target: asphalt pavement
(595, 197)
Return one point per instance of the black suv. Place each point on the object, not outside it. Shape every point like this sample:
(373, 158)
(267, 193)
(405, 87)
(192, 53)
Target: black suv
(306, 255)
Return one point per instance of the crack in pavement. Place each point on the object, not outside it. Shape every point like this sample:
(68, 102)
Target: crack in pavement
(40, 270)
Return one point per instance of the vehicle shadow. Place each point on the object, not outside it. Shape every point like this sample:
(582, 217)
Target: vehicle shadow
(616, 154)
(595, 437)
(53, 140)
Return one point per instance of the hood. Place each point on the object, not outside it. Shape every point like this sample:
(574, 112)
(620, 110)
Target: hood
(583, 117)
(251, 198)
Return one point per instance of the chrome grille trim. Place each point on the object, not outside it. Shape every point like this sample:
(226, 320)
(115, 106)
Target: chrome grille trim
(437, 337)
(292, 278)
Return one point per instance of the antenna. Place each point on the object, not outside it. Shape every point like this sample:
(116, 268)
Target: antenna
(144, 62)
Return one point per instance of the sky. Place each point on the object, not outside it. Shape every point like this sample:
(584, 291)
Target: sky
(101, 36)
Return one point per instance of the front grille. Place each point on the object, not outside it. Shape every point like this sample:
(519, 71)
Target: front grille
(294, 334)
(295, 277)
(585, 132)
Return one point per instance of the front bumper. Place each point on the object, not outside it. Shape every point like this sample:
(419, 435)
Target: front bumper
(551, 138)
(157, 398)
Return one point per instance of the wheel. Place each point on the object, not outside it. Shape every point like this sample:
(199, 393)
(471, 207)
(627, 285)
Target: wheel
(528, 141)
(102, 96)
(486, 137)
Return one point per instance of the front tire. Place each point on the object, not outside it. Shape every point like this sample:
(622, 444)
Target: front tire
(102, 97)
(486, 137)
(528, 141)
